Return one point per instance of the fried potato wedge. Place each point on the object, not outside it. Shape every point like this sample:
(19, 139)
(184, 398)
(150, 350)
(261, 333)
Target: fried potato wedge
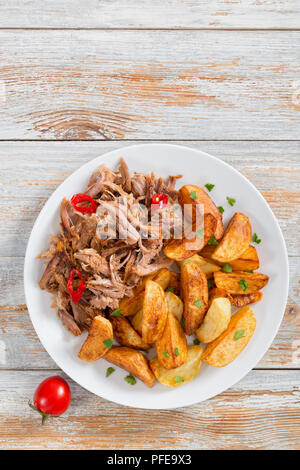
(131, 305)
(207, 252)
(136, 321)
(93, 348)
(180, 249)
(126, 335)
(202, 199)
(175, 305)
(235, 241)
(215, 321)
(171, 348)
(133, 361)
(242, 300)
(195, 296)
(206, 265)
(216, 293)
(247, 261)
(182, 374)
(232, 341)
(174, 283)
(155, 312)
(234, 282)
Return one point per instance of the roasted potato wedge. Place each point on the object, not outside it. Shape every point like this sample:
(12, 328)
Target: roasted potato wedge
(133, 361)
(155, 311)
(242, 300)
(232, 341)
(201, 198)
(131, 305)
(136, 321)
(215, 321)
(187, 247)
(171, 348)
(181, 375)
(206, 266)
(93, 348)
(216, 293)
(235, 241)
(240, 282)
(174, 283)
(126, 335)
(207, 252)
(247, 261)
(195, 296)
(175, 305)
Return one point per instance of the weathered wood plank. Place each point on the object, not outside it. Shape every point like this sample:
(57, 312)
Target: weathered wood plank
(35, 169)
(260, 412)
(154, 14)
(67, 85)
(21, 349)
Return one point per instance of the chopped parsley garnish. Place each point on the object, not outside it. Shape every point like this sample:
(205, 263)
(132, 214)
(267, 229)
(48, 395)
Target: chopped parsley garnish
(183, 322)
(193, 195)
(130, 379)
(198, 303)
(170, 289)
(209, 186)
(221, 209)
(108, 343)
(176, 352)
(178, 379)
(210, 283)
(199, 233)
(256, 239)
(109, 371)
(239, 334)
(212, 241)
(116, 313)
(231, 201)
(166, 354)
(196, 342)
(227, 268)
(243, 284)
(249, 271)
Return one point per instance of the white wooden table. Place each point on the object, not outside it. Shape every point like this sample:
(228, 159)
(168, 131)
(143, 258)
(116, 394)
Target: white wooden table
(78, 79)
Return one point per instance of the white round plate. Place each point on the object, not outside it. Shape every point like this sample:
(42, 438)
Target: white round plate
(197, 168)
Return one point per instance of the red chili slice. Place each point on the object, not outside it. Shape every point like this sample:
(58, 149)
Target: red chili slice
(79, 198)
(77, 293)
(160, 200)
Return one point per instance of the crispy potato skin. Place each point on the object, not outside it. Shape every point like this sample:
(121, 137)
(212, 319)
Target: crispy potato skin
(226, 348)
(136, 321)
(230, 281)
(175, 282)
(133, 361)
(175, 305)
(247, 261)
(193, 287)
(173, 337)
(126, 335)
(235, 241)
(207, 266)
(187, 371)
(202, 198)
(242, 300)
(215, 293)
(93, 348)
(155, 311)
(215, 321)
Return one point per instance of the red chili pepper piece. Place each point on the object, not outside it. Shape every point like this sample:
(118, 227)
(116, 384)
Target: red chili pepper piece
(77, 293)
(79, 198)
(160, 200)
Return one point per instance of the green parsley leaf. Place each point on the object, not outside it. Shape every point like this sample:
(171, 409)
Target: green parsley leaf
(170, 289)
(176, 352)
(249, 271)
(243, 284)
(178, 379)
(196, 342)
(109, 371)
(130, 379)
(256, 239)
(199, 233)
(227, 268)
(210, 283)
(183, 322)
(231, 201)
(239, 334)
(116, 313)
(108, 343)
(198, 303)
(221, 209)
(212, 241)
(193, 195)
(166, 354)
(209, 186)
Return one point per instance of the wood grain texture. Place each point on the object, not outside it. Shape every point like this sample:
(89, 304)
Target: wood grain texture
(155, 14)
(70, 85)
(260, 412)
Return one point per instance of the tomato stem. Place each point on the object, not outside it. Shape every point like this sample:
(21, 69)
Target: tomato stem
(43, 415)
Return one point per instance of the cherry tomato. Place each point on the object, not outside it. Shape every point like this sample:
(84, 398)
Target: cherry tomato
(52, 397)
(159, 201)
